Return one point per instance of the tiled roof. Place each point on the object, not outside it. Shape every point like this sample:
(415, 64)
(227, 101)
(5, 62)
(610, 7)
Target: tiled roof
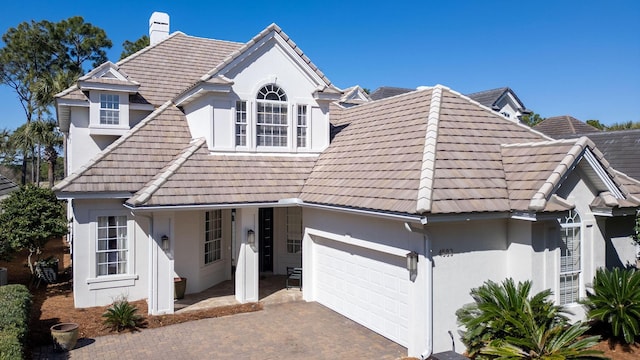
(384, 92)
(563, 126)
(135, 158)
(375, 161)
(469, 174)
(621, 149)
(488, 97)
(204, 179)
(162, 74)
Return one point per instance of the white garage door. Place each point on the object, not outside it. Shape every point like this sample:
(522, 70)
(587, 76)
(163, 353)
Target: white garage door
(366, 286)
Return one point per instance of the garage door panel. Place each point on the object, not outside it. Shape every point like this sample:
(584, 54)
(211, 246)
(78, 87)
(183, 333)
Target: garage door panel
(367, 286)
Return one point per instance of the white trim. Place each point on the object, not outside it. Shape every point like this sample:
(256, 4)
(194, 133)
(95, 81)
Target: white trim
(602, 174)
(112, 281)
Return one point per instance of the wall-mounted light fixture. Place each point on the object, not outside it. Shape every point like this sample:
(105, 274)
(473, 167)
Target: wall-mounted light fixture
(251, 237)
(412, 265)
(165, 242)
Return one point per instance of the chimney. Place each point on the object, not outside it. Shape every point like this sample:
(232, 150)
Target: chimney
(158, 27)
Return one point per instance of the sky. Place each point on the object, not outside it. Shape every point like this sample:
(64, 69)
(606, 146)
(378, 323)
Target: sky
(570, 57)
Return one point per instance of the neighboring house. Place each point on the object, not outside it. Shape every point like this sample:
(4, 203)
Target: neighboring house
(353, 96)
(559, 127)
(214, 160)
(503, 100)
(6, 187)
(384, 92)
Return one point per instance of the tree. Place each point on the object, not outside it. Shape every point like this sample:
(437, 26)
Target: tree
(129, 48)
(531, 119)
(624, 126)
(30, 217)
(597, 124)
(41, 58)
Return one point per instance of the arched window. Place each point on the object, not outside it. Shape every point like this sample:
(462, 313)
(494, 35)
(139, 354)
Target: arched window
(570, 249)
(272, 119)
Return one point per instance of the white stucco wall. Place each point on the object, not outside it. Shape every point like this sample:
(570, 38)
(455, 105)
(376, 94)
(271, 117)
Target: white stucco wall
(89, 289)
(213, 116)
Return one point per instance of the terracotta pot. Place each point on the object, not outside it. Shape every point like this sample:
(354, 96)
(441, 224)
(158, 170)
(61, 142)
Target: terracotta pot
(180, 286)
(65, 336)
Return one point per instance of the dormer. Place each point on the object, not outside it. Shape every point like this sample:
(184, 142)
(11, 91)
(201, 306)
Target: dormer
(108, 90)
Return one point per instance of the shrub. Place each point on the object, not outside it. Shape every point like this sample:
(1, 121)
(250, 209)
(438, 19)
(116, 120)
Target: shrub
(498, 310)
(615, 302)
(122, 315)
(543, 340)
(15, 307)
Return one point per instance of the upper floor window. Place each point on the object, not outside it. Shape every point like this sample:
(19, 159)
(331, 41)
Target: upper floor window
(570, 251)
(302, 126)
(241, 123)
(109, 109)
(272, 119)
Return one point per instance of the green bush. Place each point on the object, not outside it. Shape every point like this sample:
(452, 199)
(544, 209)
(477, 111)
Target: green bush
(122, 315)
(15, 307)
(615, 302)
(498, 311)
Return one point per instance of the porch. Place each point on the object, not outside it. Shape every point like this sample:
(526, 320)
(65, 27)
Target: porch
(272, 291)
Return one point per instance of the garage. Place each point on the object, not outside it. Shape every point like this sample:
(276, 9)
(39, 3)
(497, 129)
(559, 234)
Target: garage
(368, 286)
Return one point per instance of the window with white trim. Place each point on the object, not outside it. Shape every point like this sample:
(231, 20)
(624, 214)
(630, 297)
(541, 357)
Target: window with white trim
(109, 109)
(112, 245)
(241, 123)
(272, 117)
(302, 126)
(294, 230)
(570, 268)
(212, 236)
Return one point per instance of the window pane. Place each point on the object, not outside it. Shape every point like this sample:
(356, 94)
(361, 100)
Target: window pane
(213, 236)
(112, 252)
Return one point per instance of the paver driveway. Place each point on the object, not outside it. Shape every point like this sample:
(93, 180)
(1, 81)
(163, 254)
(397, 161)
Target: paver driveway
(298, 330)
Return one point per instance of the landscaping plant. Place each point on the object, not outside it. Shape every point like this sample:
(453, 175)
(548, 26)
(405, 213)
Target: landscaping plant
(497, 313)
(121, 316)
(543, 340)
(15, 307)
(615, 301)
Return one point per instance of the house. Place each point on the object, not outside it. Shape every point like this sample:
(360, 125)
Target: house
(559, 127)
(215, 160)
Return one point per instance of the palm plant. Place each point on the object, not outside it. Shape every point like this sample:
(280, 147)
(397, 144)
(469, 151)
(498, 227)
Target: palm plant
(495, 312)
(615, 301)
(122, 315)
(544, 340)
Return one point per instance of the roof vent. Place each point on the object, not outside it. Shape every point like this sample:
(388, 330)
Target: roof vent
(158, 27)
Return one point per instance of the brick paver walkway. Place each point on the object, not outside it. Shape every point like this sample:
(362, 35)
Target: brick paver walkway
(297, 330)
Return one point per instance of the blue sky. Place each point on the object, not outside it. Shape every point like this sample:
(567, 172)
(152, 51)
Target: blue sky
(579, 58)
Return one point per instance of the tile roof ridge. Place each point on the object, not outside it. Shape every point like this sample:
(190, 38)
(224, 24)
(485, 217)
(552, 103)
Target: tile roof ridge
(66, 91)
(541, 143)
(143, 195)
(84, 168)
(540, 198)
(427, 172)
(273, 27)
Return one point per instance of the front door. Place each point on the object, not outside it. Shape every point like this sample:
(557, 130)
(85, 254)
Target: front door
(265, 218)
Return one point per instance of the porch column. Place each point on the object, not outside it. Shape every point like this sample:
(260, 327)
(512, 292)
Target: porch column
(162, 267)
(247, 268)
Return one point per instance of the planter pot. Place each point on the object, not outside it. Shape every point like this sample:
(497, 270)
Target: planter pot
(65, 336)
(179, 286)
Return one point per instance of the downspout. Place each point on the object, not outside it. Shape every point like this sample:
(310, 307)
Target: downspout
(150, 277)
(429, 277)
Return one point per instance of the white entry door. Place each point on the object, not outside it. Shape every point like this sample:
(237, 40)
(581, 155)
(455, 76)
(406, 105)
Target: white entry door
(367, 286)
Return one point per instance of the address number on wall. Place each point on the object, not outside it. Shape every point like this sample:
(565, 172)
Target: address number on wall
(446, 252)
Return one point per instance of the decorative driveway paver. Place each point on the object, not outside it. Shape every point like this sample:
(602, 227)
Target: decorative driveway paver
(297, 330)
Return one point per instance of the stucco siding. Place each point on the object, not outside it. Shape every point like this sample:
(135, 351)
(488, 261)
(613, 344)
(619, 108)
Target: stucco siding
(90, 289)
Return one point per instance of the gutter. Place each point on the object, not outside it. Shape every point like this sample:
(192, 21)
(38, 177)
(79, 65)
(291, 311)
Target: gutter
(429, 294)
(416, 219)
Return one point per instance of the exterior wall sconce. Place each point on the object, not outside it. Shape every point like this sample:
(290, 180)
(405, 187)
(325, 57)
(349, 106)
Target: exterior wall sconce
(412, 265)
(165, 242)
(251, 237)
